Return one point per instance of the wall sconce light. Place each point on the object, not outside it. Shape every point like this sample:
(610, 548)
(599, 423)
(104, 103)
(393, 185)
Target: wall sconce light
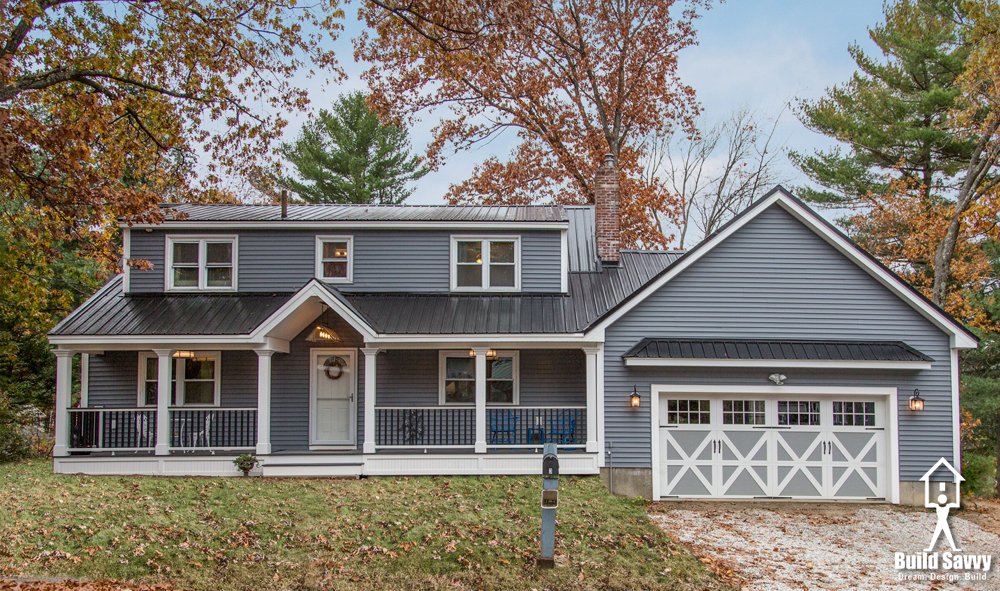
(634, 400)
(491, 355)
(778, 379)
(322, 333)
(916, 402)
(183, 355)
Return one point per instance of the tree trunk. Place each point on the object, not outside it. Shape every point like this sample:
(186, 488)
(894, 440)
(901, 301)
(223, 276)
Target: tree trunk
(996, 480)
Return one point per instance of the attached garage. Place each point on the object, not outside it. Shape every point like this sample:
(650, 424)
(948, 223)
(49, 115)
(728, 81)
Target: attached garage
(771, 442)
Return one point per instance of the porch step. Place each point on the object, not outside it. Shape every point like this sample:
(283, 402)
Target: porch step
(313, 465)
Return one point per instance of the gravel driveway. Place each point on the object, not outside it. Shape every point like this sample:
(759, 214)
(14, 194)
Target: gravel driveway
(801, 546)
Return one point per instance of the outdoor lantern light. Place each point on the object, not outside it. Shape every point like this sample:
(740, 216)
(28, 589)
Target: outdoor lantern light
(491, 355)
(322, 333)
(183, 354)
(916, 402)
(634, 399)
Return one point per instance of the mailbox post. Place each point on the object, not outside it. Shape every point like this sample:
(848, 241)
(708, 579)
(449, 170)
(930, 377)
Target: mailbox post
(550, 500)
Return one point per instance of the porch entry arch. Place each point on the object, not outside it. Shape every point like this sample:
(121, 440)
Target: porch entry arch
(774, 442)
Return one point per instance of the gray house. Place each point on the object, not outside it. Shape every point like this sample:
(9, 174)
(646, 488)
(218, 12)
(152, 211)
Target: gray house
(775, 359)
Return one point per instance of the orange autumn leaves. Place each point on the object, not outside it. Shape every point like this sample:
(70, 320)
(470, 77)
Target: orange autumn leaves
(903, 230)
(568, 81)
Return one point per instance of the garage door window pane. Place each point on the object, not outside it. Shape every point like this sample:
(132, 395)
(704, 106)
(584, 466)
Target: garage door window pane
(743, 412)
(854, 414)
(798, 412)
(688, 412)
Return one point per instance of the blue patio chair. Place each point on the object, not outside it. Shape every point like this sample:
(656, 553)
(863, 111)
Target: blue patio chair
(503, 428)
(562, 429)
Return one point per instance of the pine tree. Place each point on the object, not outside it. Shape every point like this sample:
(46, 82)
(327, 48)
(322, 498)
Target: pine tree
(348, 156)
(894, 113)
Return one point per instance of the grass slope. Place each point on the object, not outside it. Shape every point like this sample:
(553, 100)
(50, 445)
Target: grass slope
(384, 533)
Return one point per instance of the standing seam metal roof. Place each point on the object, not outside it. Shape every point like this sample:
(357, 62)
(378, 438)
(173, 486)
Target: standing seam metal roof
(364, 213)
(776, 349)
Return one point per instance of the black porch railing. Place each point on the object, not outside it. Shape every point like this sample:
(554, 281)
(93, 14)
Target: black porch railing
(533, 426)
(425, 427)
(213, 428)
(112, 429)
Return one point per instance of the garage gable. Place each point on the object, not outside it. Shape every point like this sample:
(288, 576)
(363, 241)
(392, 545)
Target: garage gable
(791, 237)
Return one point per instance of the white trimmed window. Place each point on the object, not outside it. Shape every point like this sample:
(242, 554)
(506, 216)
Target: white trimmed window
(199, 383)
(335, 259)
(201, 263)
(458, 378)
(485, 264)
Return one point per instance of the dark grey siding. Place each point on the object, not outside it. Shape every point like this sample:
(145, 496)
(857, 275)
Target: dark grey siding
(290, 387)
(239, 379)
(114, 380)
(149, 247)
(547, 377)
(384, 260)
(776, 279)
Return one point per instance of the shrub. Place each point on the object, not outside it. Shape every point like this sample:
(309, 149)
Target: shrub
(245, 463)
(980, 475)
(12, 444)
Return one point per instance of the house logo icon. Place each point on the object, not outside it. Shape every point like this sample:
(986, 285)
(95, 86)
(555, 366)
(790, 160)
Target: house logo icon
(942, 502)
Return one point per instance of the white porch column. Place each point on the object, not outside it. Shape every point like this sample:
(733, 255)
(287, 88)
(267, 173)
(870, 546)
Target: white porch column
(371, 357)
(480, 398)
(64, 395)
(264, 401)
(164, 360)
(592, 398)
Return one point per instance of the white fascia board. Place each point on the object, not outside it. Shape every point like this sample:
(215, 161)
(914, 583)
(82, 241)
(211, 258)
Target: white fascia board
(786, 389)
(99, 343)
(313, 290)
(415, 341)
(959, 338)
(776, 363)
(349, 225)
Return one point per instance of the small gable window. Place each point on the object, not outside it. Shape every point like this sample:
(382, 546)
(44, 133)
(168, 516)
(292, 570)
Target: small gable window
(486, 264)
(335, 259)
(201, 264)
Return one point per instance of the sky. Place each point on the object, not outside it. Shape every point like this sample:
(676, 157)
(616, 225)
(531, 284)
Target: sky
(761, 54)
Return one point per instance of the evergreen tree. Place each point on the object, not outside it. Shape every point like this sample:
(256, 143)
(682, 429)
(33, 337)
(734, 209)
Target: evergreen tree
(349, 156)
(893, 113)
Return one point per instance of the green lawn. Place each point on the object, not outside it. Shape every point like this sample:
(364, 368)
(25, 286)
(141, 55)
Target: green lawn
(252, 533)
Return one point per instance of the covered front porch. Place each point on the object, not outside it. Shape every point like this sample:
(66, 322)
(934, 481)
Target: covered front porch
(314, 392)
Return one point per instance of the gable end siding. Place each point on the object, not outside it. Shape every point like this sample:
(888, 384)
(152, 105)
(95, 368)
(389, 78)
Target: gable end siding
(775, 279)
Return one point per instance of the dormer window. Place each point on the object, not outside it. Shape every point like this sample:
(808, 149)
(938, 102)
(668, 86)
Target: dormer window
(485, 264)
(335, 259)
(201, 263)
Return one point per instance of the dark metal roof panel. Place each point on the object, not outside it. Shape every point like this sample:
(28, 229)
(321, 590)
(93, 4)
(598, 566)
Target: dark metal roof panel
(365, 213)
(109, 312)
(777, 350)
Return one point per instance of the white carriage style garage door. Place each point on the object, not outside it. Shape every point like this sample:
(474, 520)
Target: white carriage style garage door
(737, 445)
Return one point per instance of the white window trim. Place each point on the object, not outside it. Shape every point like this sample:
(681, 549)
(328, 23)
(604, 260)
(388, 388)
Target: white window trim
(485, 240)
(202, 257)
(464, 353)
(177, 366)
(350, 259)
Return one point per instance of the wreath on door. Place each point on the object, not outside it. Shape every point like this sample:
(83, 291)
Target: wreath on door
(333, 367)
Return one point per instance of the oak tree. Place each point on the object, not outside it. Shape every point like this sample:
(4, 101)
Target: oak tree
(572, 79)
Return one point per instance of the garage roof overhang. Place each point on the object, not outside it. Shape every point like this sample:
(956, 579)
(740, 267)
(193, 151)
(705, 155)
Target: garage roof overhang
(776, 354)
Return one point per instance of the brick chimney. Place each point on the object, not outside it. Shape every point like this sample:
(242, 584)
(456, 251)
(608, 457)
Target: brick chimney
(607, 210)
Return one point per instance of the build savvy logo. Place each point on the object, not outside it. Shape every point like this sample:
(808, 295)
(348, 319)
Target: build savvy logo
(950, 564)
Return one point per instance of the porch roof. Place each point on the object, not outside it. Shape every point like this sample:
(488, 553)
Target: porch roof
(730, 349)
(110, 312)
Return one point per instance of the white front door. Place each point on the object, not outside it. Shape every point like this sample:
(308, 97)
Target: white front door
(332, 384)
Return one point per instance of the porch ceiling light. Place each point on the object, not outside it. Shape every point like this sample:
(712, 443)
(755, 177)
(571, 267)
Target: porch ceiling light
(183, 355)
(916, 402)
(322, 333)
(634, 400)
